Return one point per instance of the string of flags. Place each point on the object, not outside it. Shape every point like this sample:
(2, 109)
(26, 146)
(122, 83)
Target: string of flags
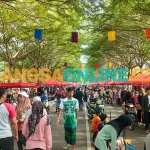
(38, 35)
(112, 35)
(74, 35)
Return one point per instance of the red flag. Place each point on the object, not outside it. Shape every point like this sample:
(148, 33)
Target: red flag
(80, 66)
(96, 66)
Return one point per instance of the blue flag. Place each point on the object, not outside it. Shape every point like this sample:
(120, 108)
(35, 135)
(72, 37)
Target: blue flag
(38, 34)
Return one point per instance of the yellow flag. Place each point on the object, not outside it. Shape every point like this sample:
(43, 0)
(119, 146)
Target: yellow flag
(111, 36)
(110, 64)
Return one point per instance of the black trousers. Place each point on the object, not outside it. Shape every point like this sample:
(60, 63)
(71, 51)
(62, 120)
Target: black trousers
(139, 115)
(7, 143)
(147, 119)
(21, 141)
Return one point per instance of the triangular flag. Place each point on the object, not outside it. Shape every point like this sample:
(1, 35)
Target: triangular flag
(38, 34)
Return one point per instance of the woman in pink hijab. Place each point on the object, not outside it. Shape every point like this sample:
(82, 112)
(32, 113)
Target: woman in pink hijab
(22, 109)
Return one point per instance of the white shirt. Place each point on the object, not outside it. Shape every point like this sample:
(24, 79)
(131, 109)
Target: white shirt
(149, 99)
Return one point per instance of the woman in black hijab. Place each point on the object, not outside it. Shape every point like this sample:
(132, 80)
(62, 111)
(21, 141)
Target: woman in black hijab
(111, 131)
(128, 99)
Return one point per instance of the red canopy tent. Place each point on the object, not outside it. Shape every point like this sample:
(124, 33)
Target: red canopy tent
(18, 85)
(110, 82)
(66, 83)
(92, 83)
(51, 83)
(101, 83)
(139, 80)
(118, 83)
(147, 77)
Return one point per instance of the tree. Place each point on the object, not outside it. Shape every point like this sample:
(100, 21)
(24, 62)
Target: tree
(17, 46)
(131, 48)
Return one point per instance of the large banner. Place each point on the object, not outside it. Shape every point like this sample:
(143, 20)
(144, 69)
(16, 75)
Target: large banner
(69, 75)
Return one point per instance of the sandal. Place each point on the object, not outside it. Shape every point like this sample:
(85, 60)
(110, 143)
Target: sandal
(66, 147)
(147, 131)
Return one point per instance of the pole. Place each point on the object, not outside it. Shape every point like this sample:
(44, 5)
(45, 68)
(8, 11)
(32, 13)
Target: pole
(110, 115)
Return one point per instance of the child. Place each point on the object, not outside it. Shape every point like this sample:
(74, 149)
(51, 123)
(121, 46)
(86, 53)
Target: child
(102, 121)
(99, 126)
(95, 120)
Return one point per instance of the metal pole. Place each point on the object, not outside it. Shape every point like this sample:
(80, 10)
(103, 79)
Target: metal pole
(110, 115)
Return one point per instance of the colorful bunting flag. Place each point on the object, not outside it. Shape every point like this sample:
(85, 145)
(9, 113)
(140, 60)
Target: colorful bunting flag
(74, 38)
(38, 34)
(111, 36)
(80, 66)
(65, 64)
(96, 66)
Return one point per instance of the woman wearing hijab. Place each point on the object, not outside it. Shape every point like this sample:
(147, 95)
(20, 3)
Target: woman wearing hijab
(22, 109)
(111, 131)
(128, 99)
(37, 129)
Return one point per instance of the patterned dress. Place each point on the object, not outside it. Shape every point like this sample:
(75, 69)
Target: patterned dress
(69, 108)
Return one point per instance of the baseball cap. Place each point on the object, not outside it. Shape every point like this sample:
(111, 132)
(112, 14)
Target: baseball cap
(23, 93)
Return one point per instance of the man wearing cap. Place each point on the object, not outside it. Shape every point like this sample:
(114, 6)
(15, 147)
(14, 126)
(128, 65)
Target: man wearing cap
(36, 98)
(146, 109)
(7, 121)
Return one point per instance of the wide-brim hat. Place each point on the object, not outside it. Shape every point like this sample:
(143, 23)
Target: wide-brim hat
(23, 93)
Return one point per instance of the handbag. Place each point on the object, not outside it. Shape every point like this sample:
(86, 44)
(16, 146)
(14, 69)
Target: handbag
(130, 147)
(138, 106)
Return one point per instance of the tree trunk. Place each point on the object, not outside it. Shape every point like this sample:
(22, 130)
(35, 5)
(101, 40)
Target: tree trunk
(11, 72)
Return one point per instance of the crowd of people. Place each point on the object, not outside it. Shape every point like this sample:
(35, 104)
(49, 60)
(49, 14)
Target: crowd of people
(31, 125)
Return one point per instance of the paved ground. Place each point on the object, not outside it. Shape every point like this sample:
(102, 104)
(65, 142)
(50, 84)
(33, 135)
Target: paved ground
(137, 136)
(84, 134)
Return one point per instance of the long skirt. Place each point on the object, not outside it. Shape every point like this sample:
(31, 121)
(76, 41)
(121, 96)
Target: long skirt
(70, 135)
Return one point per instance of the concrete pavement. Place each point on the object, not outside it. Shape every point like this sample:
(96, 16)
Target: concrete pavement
(84, 135)
(137, 136)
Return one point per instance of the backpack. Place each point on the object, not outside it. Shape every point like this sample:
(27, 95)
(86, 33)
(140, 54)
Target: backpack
(130, 147)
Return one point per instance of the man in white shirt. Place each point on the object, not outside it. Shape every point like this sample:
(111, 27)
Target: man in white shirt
(8, 122)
